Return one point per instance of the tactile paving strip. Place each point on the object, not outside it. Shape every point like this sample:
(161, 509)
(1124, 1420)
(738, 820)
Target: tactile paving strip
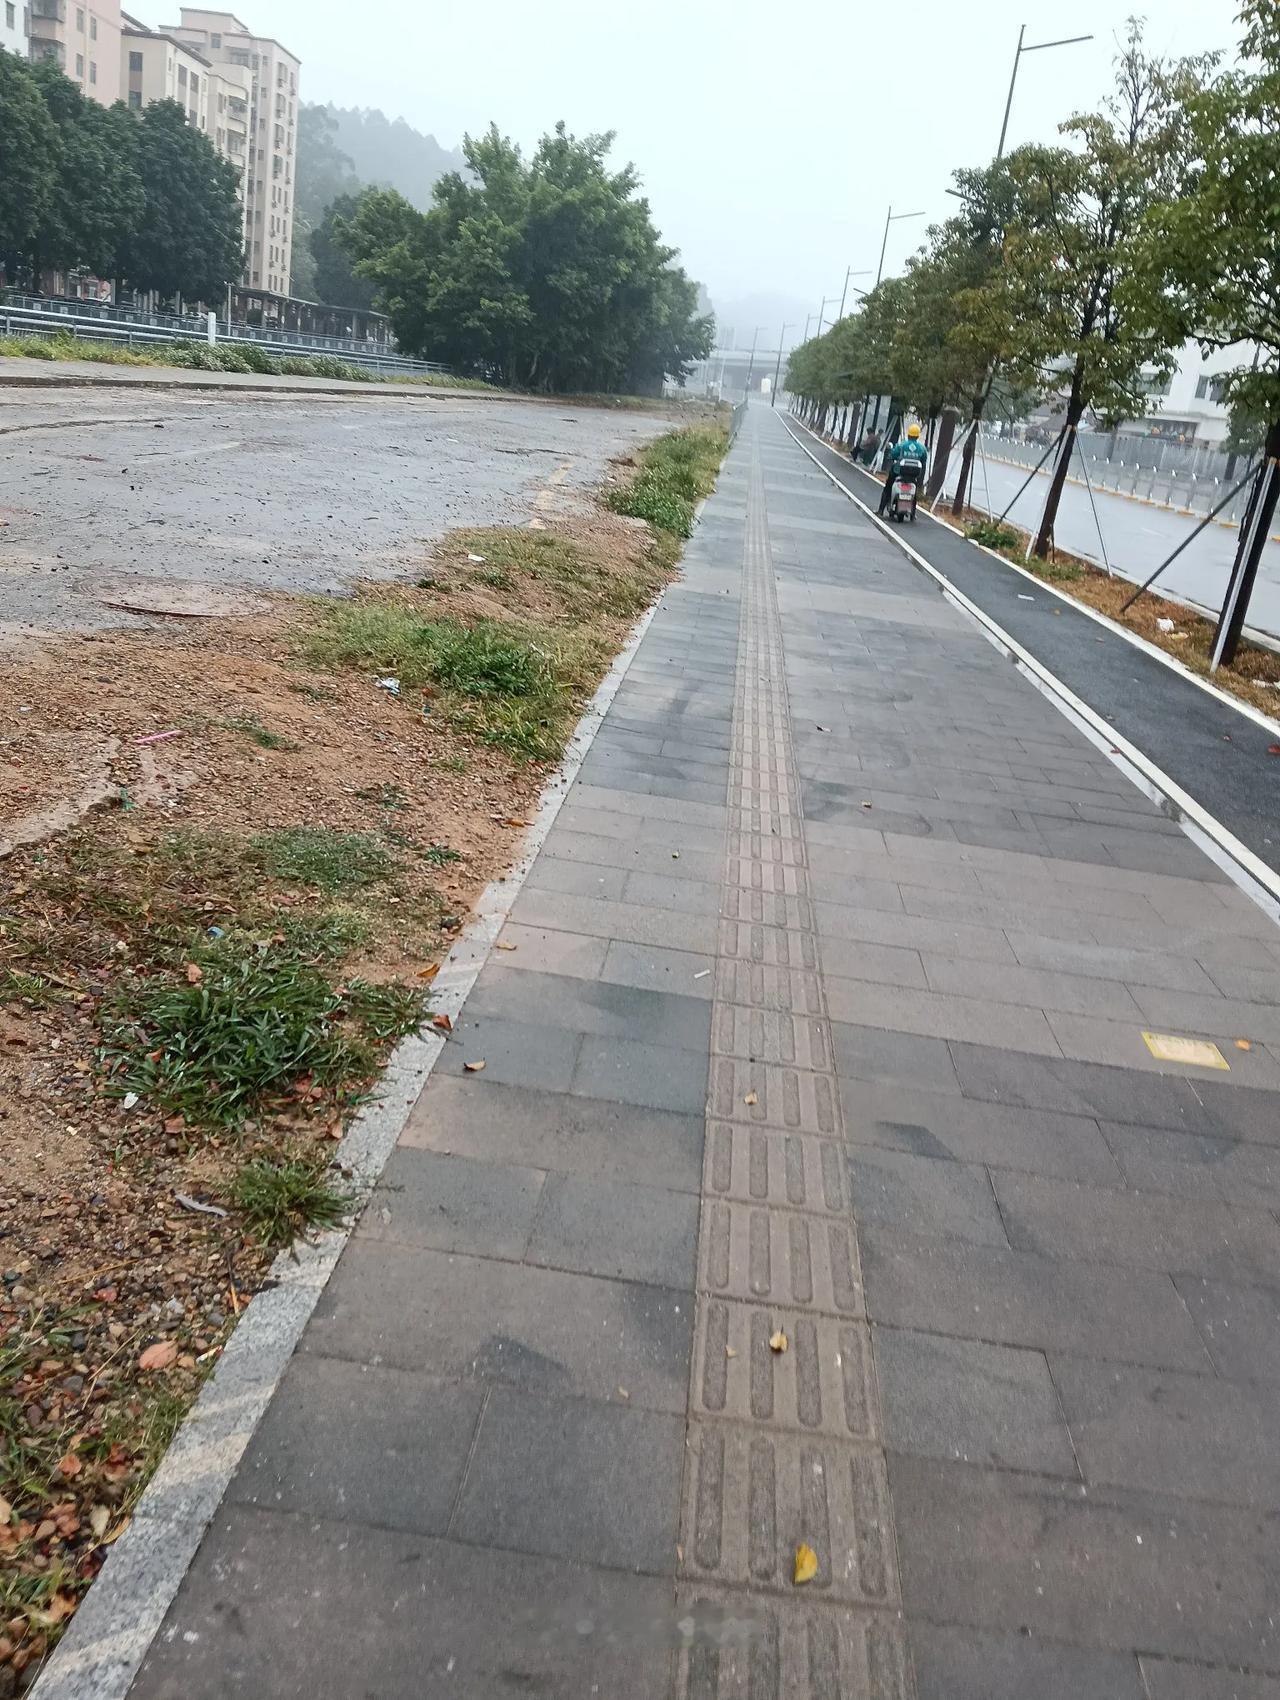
(784, 1423)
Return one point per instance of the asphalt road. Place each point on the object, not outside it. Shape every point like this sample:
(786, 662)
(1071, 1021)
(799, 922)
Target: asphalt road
(1137, 538)
(108, 489)
(1216, 753)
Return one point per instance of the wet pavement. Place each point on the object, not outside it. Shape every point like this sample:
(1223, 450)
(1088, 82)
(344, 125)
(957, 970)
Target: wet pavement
(828, 1019)
(103, 490)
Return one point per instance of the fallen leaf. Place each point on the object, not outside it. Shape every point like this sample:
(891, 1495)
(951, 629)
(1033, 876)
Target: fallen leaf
(69, 1465)
(806, 1566)
(194, 973)
(1273, 749)
(99, 1518)
(430, 972)
(752, 1098)
(514, 822)
(6, 1510)
(443, 1022)
(474, 1067)
(161, 1355)
(504, 944)
(778, 1341)
(106, 1295)
(623, 1393)
(1243, 1045)
(731, 1351)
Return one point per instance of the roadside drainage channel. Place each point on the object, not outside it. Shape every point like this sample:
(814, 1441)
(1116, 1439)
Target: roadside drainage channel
(122, 1612)
(1247, 870)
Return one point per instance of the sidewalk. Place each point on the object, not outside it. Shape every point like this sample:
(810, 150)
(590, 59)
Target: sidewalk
(834, 970)
(19, 372)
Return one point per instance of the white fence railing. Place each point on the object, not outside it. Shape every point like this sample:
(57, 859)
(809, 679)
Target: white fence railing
(1179, 487)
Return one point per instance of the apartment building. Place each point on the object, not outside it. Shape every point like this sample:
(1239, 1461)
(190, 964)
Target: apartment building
(83, 40)
(15, 26)
(271, 135)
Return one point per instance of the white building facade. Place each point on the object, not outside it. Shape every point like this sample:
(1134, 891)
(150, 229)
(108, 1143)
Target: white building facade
(15, 26)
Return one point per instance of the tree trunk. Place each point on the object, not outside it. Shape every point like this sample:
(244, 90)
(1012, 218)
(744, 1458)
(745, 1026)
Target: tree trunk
(941, 453)
(966, 457)
(1254, 534)
(1075, 409)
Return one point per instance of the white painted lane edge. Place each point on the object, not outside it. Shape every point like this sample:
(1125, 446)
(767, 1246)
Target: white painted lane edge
(112, 1631)
(1247, 870)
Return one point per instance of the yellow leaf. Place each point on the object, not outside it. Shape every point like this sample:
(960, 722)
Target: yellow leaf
(1243, 1045)
(99, 1518)
(752, 1098)
(778, 1341)
(474, 1067)
(504, 944)
(806, 1564)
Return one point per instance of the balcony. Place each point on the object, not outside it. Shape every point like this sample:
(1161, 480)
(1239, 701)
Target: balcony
(44, 47)
(47, 11)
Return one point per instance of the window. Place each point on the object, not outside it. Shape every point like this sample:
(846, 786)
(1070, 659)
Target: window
(80, 66)
(195, 83)
(80, 19)
(135, 99)
(1212, 388)
(93, 70)
(135, 62)
(93, 28)
(10, 15)
(182, 76)
(215, 41)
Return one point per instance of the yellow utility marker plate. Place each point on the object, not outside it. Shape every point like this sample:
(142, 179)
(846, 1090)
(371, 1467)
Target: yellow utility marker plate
(1172, 1047)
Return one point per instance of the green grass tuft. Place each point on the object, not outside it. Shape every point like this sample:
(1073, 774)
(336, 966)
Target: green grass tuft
(282, 1199)
(676, 472)
(327, 860)
(261, 735)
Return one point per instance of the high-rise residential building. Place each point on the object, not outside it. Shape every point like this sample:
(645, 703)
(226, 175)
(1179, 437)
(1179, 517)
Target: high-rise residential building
(15, 26)
(82, 37)
(271, 136)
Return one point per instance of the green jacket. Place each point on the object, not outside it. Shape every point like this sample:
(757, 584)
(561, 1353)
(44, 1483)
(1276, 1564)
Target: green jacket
(908, 449)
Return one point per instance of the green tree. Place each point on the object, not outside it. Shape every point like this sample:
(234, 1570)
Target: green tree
(189, 240)
(547, 272)
(30, 155)
(333, 279)
(1078, 213)
(99, 198)
(1209, 264)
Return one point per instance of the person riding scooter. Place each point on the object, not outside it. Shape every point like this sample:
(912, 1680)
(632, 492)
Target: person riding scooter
(907, 460)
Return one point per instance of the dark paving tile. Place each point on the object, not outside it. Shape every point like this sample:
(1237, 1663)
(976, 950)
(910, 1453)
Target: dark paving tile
(579, 879)
(926, 1196)
(605, 1227)
(552, 1130)
(519, 1052)
(357, 1444)
(967, 1400)
(542, 950)
(1018, 1299)
(1168, 1681)
(634, 922)
(673, 892)
(572, 1478)
(928, 1124)
(963, 1664)
(1147, 1229)
(276, 1604)
(687, 973)
(542, 1330)
(442, 1202)
(893, 1059)
(1194, 1435)
(1240, 1325)
(632, 1072)
(1109, 1570)
(600, 1007)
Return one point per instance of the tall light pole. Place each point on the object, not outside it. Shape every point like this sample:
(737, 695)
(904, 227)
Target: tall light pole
(891, 218)
(1035, 47)
(808, 321)
(821, 311)
(782, 337)
(849, 272)
(751, 364)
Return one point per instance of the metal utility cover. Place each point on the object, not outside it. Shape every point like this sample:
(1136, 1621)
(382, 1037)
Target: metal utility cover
(1172, 1047)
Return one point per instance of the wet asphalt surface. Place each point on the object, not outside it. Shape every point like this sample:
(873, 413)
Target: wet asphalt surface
(101, 491)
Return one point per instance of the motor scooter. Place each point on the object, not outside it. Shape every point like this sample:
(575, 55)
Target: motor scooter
(905, 493)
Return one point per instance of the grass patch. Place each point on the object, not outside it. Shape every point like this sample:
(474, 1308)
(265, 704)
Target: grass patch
(281, 1199)
(440, 855)
(993, 535)
(676, 472)
(326, 860)
(257, 733)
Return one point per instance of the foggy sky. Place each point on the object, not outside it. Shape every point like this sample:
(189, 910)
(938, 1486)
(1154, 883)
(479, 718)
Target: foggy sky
(771, 138)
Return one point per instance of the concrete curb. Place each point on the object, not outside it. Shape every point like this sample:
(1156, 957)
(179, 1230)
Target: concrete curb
(109, 1637)
(1248, 871)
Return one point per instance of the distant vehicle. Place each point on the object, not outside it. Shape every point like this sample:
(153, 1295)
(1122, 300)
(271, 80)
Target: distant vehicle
(905, 493)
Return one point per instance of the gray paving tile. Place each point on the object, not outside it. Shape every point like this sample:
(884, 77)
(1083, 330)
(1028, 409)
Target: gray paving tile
(893, 1059)
(450, 1203)
(968, 1400)
(632, 1072)
(687, 973)
(353, 1443)
(260, 1615)
(1111, 1570)
(631, 921)
(1192, 1435)
(576, 1479)
(542, 1330)
(941, 1016)
(1168, 1681)
(705, 865)
(837, 923)
(1196, 1165)
(1015, 1298)
(930, 1124)
(666, 835)
(543, 950)
(1110, 962)
(925, 1196)
(578, 879)
(1121, 1044)
(515, 1051)
(885, 964)
(1036, 988)
(964, 1664)
(600, 1007)
(1240, 1325)
(606, 1227)
(1149, 1230)
(553, 1130)
(673, 892)
(1198, 1012)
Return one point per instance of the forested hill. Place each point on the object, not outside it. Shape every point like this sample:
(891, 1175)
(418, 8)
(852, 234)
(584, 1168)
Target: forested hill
(388, 152)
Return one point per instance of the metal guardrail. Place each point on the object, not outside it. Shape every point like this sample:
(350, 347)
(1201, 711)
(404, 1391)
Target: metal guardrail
(735, 422)
(50, 320)
(1180, 488)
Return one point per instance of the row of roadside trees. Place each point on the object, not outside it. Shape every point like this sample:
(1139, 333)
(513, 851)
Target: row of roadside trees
(140, 198)
(1080, 270)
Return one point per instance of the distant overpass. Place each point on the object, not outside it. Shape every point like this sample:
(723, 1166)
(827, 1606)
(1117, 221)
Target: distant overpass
(725, 371)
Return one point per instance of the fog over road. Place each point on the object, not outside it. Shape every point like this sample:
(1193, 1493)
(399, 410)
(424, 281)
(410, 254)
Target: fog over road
(286, 492)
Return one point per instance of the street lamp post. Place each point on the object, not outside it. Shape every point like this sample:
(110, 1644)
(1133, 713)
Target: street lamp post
(782, 337)
(849, 272)
(1035, 47)
(751, 364)
(808, 321)
(891, 218)
(822, 310)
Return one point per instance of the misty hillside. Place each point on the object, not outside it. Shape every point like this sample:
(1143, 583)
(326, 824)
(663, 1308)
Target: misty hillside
(388, 152)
